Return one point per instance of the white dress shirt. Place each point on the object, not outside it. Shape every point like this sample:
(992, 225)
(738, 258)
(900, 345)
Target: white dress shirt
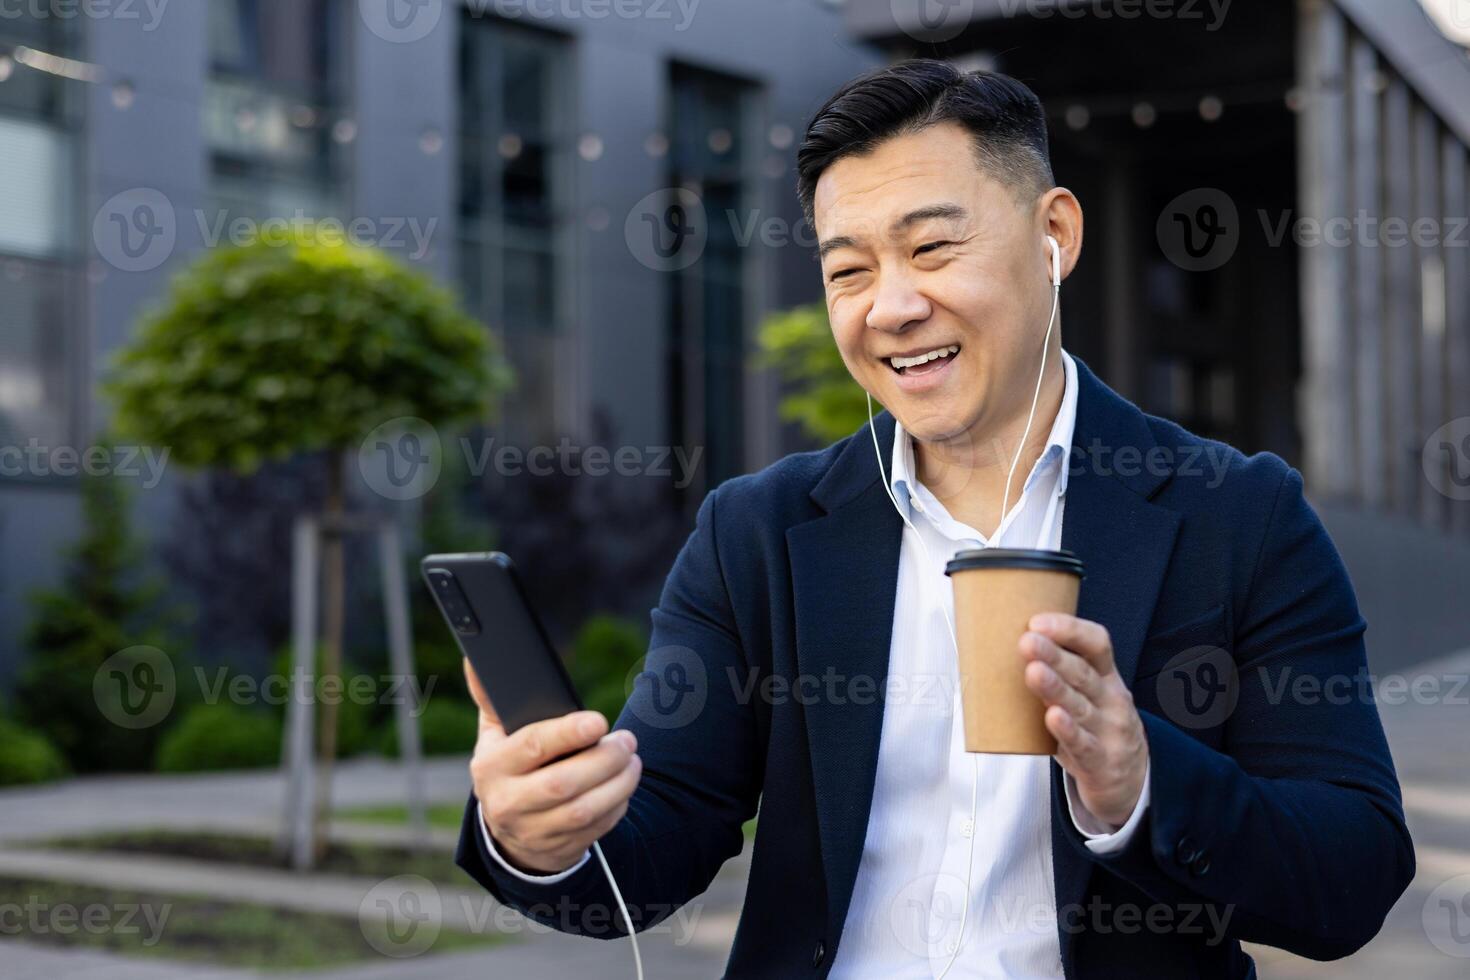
(907, 900)
(904, 919)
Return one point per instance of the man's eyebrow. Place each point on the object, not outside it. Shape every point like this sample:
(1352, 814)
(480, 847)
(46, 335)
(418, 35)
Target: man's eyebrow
(949, 211)
(833, 244)
(927, 212)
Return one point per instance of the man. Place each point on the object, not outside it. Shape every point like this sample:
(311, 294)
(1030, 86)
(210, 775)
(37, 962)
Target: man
(804, 618)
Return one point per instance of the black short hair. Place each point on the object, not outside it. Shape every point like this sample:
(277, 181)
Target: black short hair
(1003, 115)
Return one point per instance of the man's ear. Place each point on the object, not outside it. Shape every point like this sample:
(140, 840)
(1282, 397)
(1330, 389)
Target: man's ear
(1059, 214)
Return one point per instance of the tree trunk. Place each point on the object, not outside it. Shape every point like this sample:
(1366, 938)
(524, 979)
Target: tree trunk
(333, 603)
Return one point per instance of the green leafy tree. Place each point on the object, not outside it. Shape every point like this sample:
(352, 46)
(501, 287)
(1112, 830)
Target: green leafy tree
(100, 608)
(302, 344)
(822, 397)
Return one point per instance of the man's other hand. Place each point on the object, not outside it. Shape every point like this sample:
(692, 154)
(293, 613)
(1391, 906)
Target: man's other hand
(1100, 737)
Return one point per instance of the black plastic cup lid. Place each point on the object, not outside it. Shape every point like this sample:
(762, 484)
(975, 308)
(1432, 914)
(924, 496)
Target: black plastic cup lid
(1045, 561)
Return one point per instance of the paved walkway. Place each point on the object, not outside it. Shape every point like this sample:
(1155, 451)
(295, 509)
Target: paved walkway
(552, 957)
(694, 943)
(27, 961)
(1430, 737)
(247, 802)
(707, 925)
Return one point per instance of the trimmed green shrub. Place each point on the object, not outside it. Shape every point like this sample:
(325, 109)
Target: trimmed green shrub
(447, 727)
(604, 650)
(27, 756)
(220, 736)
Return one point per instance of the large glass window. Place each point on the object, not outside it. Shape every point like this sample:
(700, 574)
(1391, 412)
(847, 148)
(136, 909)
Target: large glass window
(515, 153)
(40, 360)
(709, 154)
(274, 110)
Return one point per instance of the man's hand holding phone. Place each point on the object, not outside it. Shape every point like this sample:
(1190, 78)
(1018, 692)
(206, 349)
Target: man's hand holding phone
(542, 814)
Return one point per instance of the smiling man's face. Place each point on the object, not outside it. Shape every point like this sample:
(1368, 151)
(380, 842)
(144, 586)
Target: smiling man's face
(927, 256)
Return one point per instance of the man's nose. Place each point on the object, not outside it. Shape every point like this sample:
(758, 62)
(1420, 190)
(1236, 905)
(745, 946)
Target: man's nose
(897, 304)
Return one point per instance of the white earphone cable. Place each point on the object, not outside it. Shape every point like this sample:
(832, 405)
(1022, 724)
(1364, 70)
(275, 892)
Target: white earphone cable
(622, 907)
(905, 518)
(1035, 396)
(928, 563)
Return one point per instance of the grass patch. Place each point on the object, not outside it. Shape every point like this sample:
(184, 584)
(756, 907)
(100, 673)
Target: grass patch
(366, 860)
(441, 815)
(191, 928)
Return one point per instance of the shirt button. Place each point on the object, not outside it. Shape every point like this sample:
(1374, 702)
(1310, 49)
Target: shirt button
(967, 829)
(951, 946)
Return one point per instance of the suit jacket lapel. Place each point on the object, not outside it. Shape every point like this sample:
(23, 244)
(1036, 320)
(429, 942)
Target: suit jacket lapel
(845, 576)
(844, 569)
(1125, 543)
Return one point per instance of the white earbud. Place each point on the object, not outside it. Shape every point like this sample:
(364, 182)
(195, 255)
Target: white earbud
(1056, 262)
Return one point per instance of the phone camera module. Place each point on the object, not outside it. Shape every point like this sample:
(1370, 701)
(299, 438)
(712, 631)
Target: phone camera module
(452, 600)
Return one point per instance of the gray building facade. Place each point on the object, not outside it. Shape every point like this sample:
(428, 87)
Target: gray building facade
(526, 152)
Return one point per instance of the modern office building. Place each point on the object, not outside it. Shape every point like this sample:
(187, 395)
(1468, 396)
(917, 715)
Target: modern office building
(524, 152)
(1277, 251)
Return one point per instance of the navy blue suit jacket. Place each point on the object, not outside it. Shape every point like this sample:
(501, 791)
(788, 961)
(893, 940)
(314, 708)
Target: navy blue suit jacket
(1275, 814)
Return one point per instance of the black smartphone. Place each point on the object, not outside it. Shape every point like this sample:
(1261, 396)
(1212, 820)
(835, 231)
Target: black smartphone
(485, 604)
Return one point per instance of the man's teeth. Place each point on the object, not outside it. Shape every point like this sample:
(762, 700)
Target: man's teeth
(899, 363)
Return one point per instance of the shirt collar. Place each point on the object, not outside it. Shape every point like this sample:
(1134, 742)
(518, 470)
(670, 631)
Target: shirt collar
(1058, 446)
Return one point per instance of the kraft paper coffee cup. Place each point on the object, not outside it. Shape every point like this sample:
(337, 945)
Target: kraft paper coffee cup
(996, 592)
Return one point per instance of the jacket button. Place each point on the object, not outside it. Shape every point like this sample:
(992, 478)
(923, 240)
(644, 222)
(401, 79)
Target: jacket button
(1185, 852)
(819, 954)
(1200, 864)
